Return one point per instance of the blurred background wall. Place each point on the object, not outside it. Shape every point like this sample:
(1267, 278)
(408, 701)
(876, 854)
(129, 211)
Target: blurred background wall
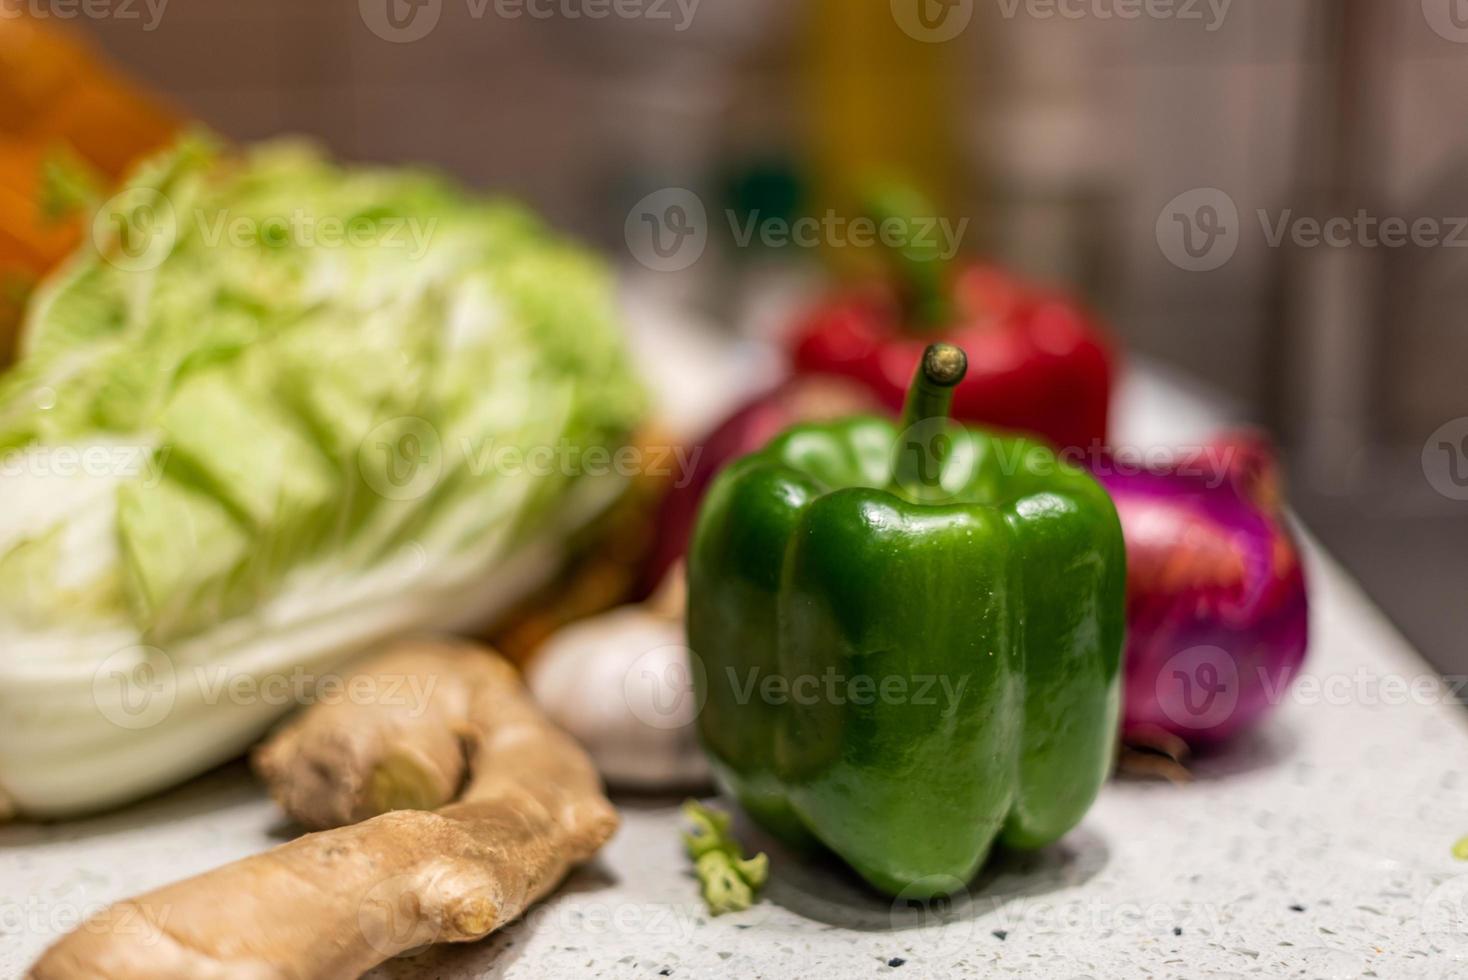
(1147, 151)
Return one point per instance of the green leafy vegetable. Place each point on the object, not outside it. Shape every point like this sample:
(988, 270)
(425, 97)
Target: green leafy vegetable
(254, 426)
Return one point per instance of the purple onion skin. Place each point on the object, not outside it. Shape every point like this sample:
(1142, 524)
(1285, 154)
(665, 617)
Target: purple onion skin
(1217, 614)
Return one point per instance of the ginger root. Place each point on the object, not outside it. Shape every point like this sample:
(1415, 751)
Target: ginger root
(341, 763)
(336, 903)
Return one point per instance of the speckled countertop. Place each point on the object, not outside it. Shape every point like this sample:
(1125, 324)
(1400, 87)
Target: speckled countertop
(1321, 847)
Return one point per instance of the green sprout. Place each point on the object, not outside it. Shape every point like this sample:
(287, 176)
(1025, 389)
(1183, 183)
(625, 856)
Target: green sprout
(727, 879)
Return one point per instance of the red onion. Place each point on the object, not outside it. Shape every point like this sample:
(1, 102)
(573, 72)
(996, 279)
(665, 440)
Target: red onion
(1217, 616)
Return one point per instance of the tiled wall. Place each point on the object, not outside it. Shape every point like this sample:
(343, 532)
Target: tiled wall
(1120, 114)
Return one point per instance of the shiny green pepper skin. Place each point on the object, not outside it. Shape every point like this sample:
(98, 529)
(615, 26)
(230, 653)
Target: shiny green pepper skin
(991, 606)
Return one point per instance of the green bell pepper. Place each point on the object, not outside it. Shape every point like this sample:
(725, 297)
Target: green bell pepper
(907, 638)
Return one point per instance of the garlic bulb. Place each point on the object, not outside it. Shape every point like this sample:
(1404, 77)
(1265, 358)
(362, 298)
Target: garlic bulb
(620, 683)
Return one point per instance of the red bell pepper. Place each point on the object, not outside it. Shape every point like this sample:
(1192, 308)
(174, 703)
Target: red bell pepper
(1037, 361)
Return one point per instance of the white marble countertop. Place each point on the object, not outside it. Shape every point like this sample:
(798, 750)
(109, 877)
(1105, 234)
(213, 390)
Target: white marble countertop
(1319, 847)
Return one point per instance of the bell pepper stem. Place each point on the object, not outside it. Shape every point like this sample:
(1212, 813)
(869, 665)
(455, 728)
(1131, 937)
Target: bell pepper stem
(924, 443)
(918, 264)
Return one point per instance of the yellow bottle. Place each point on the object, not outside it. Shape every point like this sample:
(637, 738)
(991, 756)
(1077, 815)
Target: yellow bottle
(877, 100)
